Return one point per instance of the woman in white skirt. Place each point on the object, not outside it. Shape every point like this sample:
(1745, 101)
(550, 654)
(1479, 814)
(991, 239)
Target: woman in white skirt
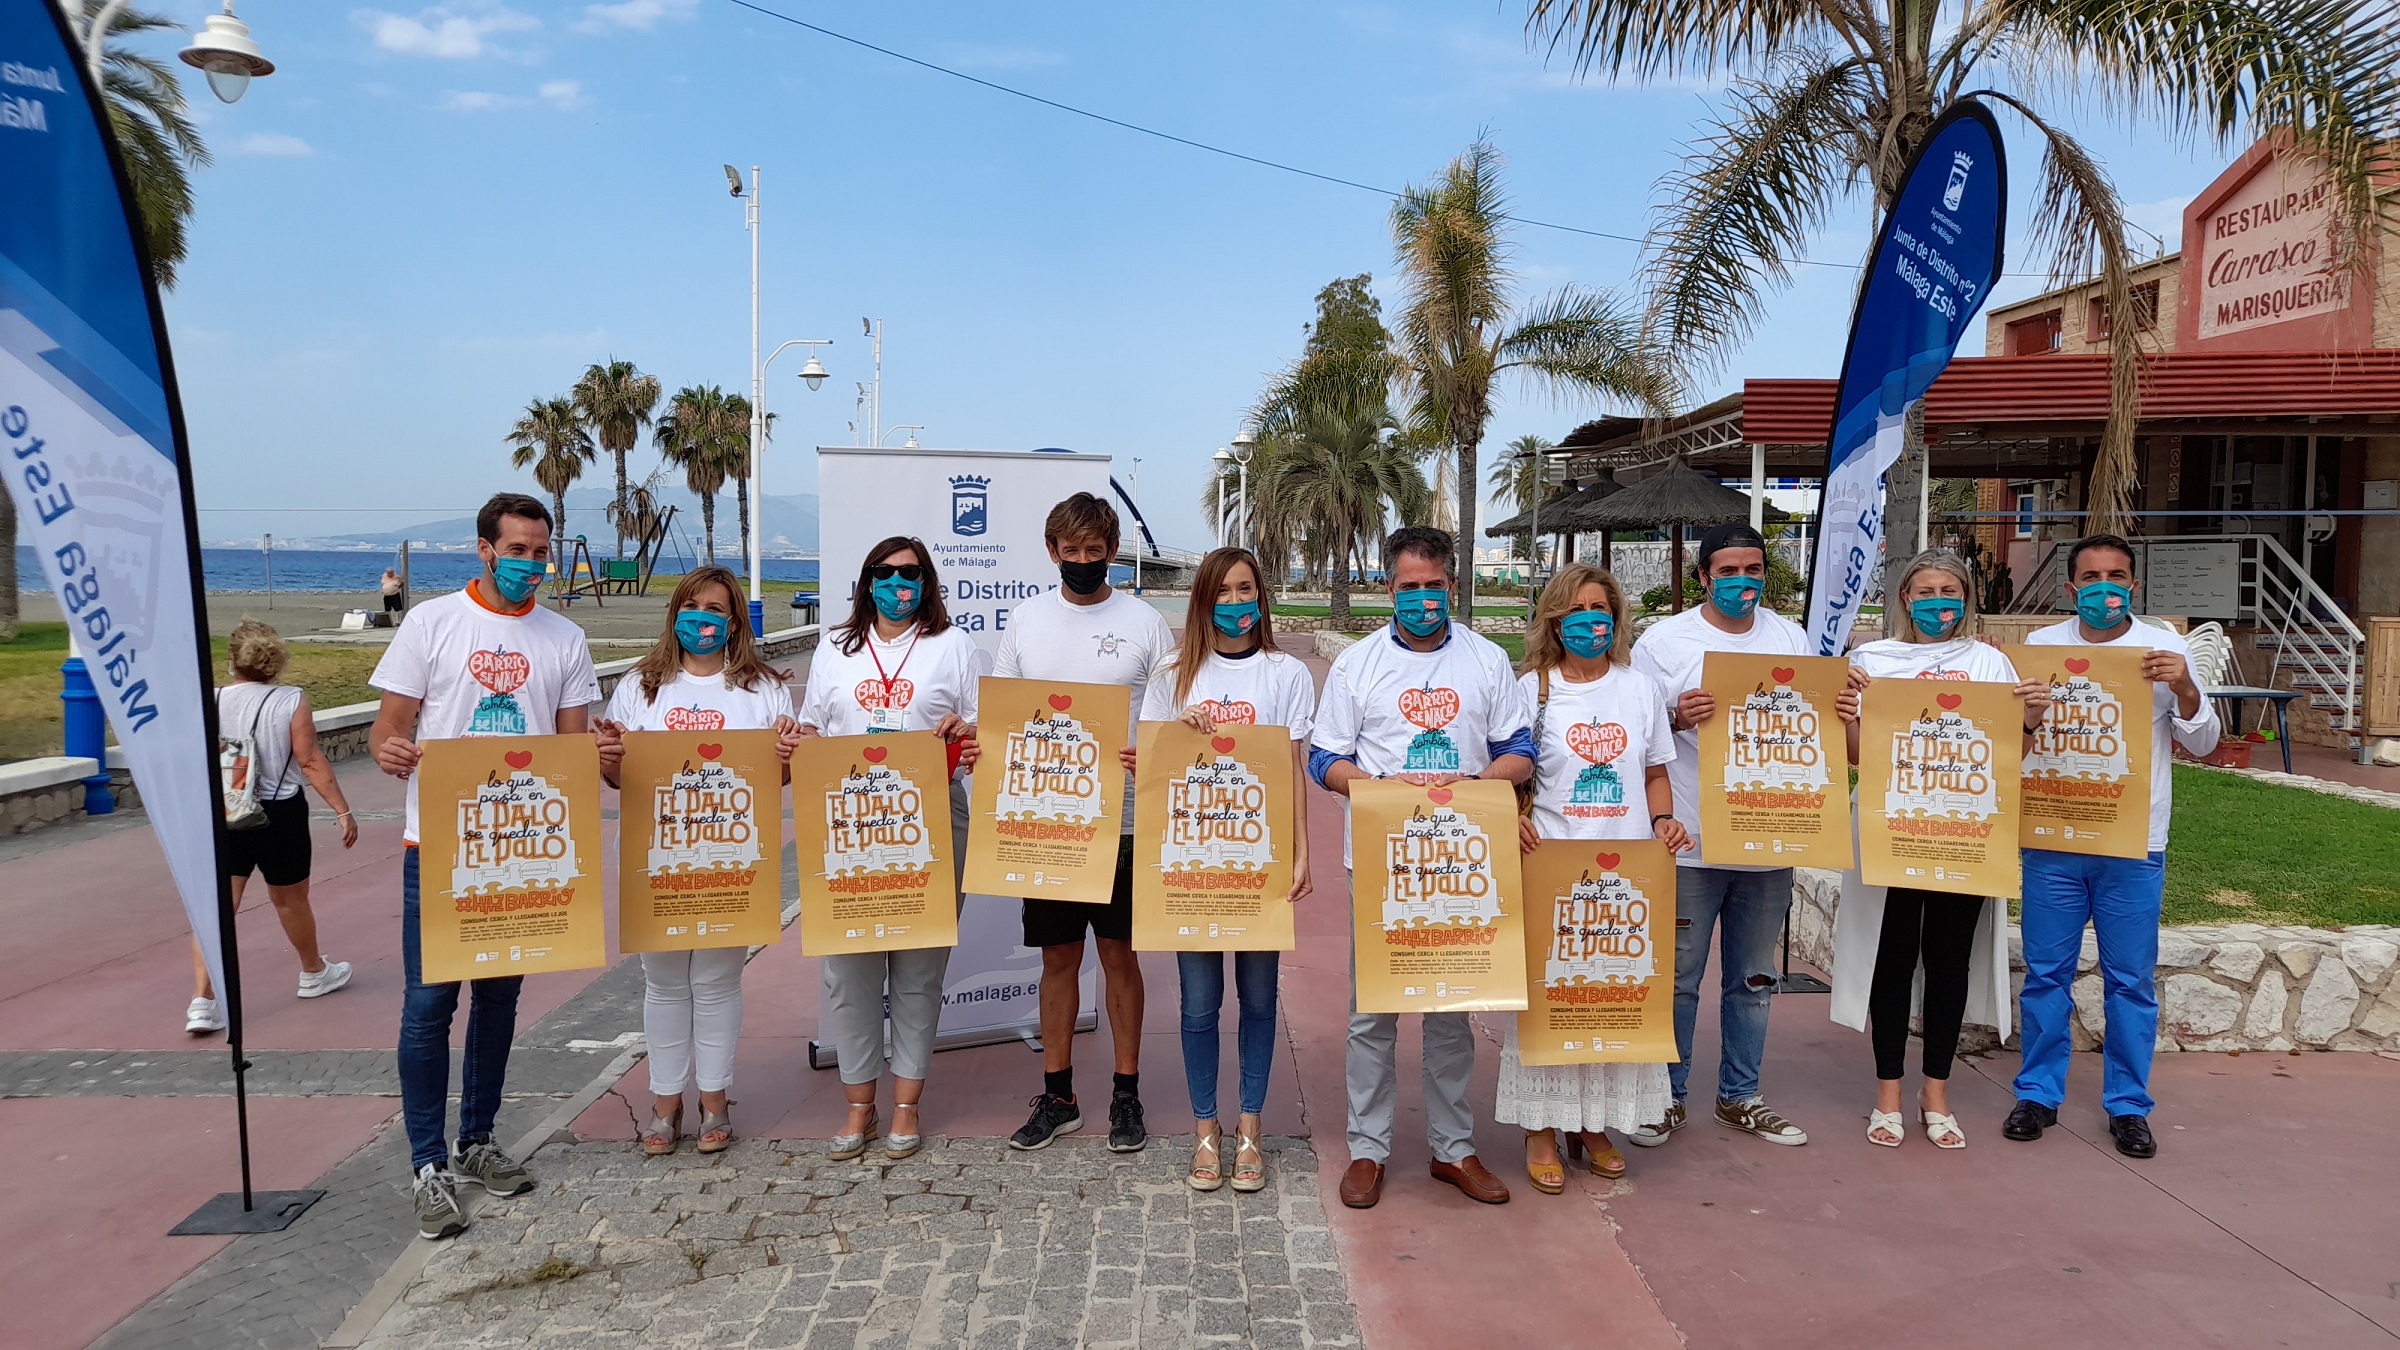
(1597, 722)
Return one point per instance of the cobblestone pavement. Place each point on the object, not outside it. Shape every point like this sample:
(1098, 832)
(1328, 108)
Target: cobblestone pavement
(968, 1244)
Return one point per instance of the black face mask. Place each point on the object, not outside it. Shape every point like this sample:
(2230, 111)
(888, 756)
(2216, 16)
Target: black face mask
(1083, 578)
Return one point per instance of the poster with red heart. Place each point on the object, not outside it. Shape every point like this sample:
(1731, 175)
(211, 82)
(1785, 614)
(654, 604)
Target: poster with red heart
(871, 825)
(1212, 839)
(2087, 777)
(1049, 792)
(1773, 767)
(509, 858)
(1599, 953)
(1436, 923)
(1938, 770)
(699, 841)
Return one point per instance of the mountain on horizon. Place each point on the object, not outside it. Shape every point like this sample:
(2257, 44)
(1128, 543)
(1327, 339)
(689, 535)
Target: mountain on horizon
(788, 524)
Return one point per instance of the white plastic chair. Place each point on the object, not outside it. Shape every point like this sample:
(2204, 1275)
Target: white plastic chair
(2212, 655)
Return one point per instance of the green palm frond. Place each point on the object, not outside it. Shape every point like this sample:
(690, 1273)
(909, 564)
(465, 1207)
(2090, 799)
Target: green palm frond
(1582, 341)
(550, 439)
(616, 400)
(160, 144)
(1647, 39)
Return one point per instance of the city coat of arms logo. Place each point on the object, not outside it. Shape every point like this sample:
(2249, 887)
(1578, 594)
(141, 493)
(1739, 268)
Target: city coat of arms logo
(968, 502)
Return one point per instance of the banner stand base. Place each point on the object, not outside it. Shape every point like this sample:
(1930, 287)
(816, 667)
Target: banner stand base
(269, 1212)
(821, 1056)
(1793, 983)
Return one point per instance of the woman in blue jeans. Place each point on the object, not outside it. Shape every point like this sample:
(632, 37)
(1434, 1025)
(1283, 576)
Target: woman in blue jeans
(1229, 671)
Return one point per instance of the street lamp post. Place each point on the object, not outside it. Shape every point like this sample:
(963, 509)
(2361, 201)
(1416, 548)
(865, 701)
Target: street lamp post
(872, 329)
(223, 48)
(1137, 527)
(1221, 458)
(906, 426)
(1243, 445)
(813, 374)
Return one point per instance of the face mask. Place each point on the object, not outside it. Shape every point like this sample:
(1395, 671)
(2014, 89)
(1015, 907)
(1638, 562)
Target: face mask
(1422, 611)
(1936, 616)
(516, 578)
(1588, 633)
(1235, 620)
(895, 597)
(2104, 604)
(1735, 597)
(1083, 578)
(702, 633)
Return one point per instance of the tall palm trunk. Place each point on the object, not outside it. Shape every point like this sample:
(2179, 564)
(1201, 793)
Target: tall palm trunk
(1467, 482)
(558, 512)
(8, 567)
(624, 496)
(708, 524)
(1337, 589)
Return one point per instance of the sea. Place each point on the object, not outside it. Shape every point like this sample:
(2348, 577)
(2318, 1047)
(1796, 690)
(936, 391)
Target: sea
(361, 570)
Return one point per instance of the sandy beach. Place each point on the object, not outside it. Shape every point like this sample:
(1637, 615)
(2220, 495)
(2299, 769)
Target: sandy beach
(316, 616)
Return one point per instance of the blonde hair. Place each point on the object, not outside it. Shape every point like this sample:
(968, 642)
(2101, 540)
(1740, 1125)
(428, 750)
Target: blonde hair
(256, 651)
(744, 667)
(1543, 649)
(1934, 560)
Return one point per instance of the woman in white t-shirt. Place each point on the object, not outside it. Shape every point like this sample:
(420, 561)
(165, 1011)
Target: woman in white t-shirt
(896, 664)
(1230, 671)
(1601, 750)
(704, 674)
(1880, 937)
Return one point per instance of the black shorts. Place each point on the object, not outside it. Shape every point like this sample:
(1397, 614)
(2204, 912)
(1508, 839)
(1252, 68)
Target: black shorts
(391, 604)
(1054, 923)
(279, 850)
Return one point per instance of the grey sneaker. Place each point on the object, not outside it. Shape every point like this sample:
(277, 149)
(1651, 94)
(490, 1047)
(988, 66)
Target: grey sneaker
(332, 977)
(1651, 1136)
(438, 1214)
(1756, 1117)
(484, 1163)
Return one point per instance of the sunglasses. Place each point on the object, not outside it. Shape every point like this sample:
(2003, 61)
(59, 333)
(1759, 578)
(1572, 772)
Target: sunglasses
(904, 571)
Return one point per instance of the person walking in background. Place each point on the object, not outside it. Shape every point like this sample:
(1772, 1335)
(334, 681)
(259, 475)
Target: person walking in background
(1363, 731)
(2119, 897)
(283, 732)
(1599, 726)
(1086, 632)
(393, 601)
(1230, 672)
(440, 679)
(896, 664)
(1880, 937)
(1747, 903)
(703, 674)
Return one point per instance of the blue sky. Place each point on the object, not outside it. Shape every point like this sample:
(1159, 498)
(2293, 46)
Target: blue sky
(429, 216)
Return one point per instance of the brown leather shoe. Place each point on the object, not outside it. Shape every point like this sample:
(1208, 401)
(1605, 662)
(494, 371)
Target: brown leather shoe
(1473, 1178)
(1362, 1185)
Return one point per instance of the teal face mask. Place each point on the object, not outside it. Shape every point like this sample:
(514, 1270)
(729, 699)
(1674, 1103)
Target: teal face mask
(1588, 633)
(2104, 604)
(1936, 616)
(1735, 597)
(1235, 620)
(517, 578)
(1423, 610)
(895, 597)
(702, 633)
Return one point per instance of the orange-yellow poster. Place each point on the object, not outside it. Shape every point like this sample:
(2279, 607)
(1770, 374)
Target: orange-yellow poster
(1212, 840)
(1599, 953)
(510, 857)
(699, 841)
(1436, 921)
(1773, 765)
(2087, 778)
(1937, 786)
(871, 825)
(1049, 798)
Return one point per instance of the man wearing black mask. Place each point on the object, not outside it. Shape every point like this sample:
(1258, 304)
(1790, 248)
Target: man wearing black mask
(1086, 632)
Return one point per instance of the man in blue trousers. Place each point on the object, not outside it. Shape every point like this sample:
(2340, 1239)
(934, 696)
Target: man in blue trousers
(2119, 896)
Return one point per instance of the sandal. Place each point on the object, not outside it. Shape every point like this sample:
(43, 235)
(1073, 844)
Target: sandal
(897, 1145)
(1607, 1163)
(1880, 1123)
(848, 1146)
(1942, 1129)
(1251, 1175)
(1549, 1178)
(660, 1139)
(1209, 1175)
(716, 1129)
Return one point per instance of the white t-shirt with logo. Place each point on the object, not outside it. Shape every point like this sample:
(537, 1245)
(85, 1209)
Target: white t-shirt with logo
(1117, 641)
(1672, 652)
(691, 702)
(1598, 742)
(1957, 659)
(2168, 727)
(1271, 689)
(1394, 709)
(480, 672)
(919, 681)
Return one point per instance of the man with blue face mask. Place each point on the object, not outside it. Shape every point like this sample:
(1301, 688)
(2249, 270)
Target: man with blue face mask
(2119, 897)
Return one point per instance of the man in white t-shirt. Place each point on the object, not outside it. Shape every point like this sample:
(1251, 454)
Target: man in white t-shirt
(1425, 701)
(2119, 897)
(1746, 904)
(1086, 632)
(484, 661)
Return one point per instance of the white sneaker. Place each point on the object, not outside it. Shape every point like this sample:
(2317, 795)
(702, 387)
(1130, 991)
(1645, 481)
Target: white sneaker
(332, 977)
(203, 1016)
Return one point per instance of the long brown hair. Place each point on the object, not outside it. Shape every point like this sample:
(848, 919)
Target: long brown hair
(1199, 628)
(932, 615)
(744, 667)
(1543, 648)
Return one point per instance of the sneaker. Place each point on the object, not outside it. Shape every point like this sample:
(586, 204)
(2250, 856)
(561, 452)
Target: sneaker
(438, 1214)
(1126, 1132)
(1052, 1117)
(332, 977)
(203, 1017)
(1651, 1136)
(1756, 1117)
(487, 1165)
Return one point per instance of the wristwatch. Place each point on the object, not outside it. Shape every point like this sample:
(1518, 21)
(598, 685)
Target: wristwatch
(1663, 815)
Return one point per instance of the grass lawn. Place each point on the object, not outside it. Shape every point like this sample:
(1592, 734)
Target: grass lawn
(2243, 851)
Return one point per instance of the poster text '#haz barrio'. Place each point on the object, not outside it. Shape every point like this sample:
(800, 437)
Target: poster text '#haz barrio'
(871, 817)
(1049, 794)
(1772, 792)
(1436, 922)
(509, 864)
(2087, 778)
(699, 840)
(1212, 839)
(1599, 953)
(1937, 785)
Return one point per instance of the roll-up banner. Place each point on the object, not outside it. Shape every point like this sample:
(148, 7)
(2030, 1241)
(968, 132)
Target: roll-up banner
(1934, 263)
(980, 514)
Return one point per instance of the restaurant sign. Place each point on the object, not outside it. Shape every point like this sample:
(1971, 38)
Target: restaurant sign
(2265, 252)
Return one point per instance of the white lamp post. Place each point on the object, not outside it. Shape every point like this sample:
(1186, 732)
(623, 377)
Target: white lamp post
(1136, 487)
(908, 426)
(223, 48)
(872, 329)
(813, 374)
(1221, 459)
(1243, 445)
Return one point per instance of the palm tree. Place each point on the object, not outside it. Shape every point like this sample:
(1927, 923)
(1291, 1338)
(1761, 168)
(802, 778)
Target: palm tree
(550, 438)
(1836, 93)
(1336, 475)
(1514, 481)
(616, 400)
(1458, 332)
(706, 433)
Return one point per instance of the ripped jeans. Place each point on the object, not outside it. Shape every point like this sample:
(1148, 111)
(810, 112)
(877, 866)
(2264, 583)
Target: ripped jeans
(1747, 909)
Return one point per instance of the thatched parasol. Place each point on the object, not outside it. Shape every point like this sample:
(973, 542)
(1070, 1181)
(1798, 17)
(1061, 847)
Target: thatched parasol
(1675, 497)
(1524, 520)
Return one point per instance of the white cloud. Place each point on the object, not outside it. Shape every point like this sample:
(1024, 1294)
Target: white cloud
(563, 93)
(440, 32)
(274, 144)
(640, 15)
(971, 56)
(475, 100)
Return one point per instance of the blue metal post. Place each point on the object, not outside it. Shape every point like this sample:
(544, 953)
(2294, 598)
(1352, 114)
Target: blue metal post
(87, 734)
(758, 618)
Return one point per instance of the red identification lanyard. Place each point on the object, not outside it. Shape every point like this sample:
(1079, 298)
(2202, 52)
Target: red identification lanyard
(888, 680)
